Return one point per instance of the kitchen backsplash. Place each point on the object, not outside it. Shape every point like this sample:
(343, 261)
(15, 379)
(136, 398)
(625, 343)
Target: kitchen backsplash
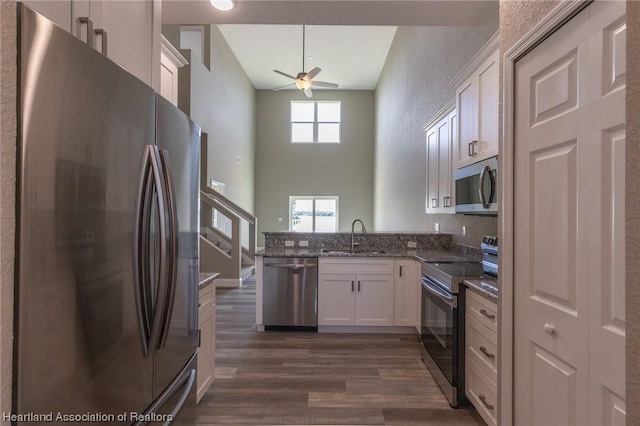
(369, 241)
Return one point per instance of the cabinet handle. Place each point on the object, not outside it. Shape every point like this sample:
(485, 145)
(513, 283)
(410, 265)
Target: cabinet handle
(400, 270)
(446, 201)
(487, 314)
(352, 284)
(470, 149)
(89, 23)
(486, 353)
(103, 39)
(483, 399)
(358, 285)
(434, 202)
(473, 148)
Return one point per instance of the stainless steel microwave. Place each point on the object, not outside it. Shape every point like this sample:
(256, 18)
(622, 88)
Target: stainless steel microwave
(477, 188)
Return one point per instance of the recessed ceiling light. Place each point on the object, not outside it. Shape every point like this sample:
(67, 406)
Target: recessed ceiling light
(223, 4)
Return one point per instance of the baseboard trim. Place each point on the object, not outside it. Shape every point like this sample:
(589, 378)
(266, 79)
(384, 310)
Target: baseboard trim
(228, 282)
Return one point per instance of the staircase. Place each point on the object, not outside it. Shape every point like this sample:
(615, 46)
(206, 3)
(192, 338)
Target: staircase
(227, 239)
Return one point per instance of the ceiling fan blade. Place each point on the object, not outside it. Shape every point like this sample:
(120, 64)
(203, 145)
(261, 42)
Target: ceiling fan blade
(285, 74)
(284, 87)
(312, 73)
(324, 84)
(308, 93)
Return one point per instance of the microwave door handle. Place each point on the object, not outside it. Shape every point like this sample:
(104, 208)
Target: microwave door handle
(483, 174)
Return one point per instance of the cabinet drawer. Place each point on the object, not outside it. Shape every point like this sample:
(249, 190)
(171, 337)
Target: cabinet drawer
(483, 309)
(353, 265)
(482, 347)
(482, 392)
(207, 298)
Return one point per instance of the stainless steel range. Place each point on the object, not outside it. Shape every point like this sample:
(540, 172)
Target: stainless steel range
(442, 324)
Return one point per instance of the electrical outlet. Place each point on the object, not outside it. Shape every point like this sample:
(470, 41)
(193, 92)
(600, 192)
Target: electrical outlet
(464, 230)
(289, 243)
(412, 244)
(437, 227)
(304, 243)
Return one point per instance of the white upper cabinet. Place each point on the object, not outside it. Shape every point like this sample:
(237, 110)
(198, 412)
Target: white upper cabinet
(477, 106)
(441, 136)
(128, 32)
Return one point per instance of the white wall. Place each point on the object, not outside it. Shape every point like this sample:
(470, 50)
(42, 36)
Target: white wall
(222, 101)
(284, 169)
(412, 89)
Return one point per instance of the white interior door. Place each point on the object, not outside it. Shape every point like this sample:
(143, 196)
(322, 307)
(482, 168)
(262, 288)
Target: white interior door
(568, 224)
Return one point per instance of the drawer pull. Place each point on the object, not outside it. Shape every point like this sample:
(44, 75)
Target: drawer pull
(487, 314)
(483, 399)
(486, 353)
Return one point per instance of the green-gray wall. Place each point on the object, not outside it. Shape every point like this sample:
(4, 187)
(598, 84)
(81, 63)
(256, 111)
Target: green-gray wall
(284, 169)
(412, 89)
(222, 102)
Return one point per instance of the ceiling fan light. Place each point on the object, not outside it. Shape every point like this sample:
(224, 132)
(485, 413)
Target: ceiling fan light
(223, 4)
(302, 84)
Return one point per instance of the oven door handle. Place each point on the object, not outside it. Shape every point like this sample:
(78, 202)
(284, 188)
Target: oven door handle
(435, 289)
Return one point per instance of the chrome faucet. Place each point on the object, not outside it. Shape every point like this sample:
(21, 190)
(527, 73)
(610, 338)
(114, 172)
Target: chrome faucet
(353, 225)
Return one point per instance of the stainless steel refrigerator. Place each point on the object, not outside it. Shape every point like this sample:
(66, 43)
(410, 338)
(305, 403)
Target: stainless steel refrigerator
(107, 265)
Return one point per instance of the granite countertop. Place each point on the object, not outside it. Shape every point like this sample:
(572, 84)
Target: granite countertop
(487, 287)
(207, 278)
(423, 255)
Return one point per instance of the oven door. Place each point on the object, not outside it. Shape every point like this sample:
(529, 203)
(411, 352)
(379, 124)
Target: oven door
(442, 337)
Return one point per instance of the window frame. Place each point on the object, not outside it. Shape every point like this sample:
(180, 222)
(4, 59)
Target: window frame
(293, 198)
(315, 122)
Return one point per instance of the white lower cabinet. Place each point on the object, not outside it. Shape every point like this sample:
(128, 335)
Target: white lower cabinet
(206, 352)
(406, 294)
(481, 356)
(350, 293)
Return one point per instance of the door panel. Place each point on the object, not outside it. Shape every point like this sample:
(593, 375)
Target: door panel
(556, 396)
(336, 299)
(551, 286)
(569, 223)
(374, 300)
(181, 138)
(607, 322)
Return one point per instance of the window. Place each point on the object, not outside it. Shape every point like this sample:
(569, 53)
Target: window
(315, 121)
(313, 214)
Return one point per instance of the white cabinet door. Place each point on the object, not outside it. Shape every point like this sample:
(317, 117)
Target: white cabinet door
(336, 299)
(205, 370)
(477, 107)
(467, 122)
(57, 11)
(374, 300)
(432, 170)
(487, 109)
(440, 135)
(569, 224)
(406, 287)
(131, 36)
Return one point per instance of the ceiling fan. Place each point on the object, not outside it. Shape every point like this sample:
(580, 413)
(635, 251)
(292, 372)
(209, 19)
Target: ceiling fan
(304, 80)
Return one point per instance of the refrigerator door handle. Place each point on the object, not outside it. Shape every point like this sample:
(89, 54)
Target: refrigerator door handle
(172, 259)
(164, 267)
(141, 251)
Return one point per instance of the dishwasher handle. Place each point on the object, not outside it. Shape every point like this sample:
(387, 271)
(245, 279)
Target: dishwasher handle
(291, 265)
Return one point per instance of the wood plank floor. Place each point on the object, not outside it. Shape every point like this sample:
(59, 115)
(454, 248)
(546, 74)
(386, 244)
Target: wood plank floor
(293, 378)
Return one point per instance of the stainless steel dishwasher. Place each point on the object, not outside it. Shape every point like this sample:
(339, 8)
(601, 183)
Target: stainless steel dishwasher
(290, 293)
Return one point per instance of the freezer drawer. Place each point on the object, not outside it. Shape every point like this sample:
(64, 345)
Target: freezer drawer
(290, 297)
